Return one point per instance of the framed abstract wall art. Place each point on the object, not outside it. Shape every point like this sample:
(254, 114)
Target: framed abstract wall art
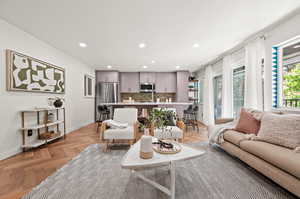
(28, 74)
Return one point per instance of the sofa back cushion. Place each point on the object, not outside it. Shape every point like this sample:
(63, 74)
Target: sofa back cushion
(283, 130)
(247, 123)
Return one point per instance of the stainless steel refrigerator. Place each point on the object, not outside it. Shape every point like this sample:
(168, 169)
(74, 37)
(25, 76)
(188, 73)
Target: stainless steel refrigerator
(106, 93)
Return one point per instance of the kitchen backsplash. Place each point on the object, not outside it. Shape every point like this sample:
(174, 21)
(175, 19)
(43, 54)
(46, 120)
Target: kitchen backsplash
(147, 97)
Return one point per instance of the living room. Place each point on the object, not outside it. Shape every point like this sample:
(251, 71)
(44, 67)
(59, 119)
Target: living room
(162, 99)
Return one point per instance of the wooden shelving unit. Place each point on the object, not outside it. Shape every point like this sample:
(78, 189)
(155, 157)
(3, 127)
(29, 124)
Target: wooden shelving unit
(193, 89)
(43, 126)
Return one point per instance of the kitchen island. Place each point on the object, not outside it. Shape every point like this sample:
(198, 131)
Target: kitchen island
(180, 106)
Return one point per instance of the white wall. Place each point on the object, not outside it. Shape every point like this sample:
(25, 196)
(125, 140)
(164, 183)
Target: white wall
(79, 110)
(281, 33)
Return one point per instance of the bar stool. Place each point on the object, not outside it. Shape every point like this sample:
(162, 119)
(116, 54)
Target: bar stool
(104, 114)
(190, 117)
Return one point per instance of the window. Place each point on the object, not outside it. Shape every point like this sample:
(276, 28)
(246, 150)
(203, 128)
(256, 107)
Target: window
(88, 86)
(217, 82)
(290, 76)
(238, 89)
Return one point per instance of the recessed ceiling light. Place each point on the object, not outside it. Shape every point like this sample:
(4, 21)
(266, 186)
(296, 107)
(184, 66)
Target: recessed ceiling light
(142, 45)
(153, 61)
(82, 45)
(177, 67)
(109, 66)
(296, 46)
(145, 66)
(196, 45)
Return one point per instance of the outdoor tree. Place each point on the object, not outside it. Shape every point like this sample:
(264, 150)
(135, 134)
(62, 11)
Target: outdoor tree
(291, 82)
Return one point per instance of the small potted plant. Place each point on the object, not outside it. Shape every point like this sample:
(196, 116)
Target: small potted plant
(161, 118)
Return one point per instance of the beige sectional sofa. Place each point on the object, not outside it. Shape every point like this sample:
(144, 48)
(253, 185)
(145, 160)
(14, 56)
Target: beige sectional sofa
(278, 163)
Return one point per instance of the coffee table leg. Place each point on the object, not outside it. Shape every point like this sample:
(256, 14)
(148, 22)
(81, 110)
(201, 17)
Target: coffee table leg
(172, 188)
(171, 191)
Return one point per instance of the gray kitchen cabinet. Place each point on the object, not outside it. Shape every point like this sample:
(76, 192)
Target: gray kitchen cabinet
(147, 77)
(182, 86)
(107, 76)
(130, 82)
(166, 82)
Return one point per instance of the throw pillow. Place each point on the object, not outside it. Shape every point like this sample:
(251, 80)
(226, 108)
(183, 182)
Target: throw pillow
(283, 130)
(247, 123)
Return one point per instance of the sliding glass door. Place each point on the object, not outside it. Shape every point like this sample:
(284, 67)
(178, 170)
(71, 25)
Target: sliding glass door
(238, 89)
(218, 96)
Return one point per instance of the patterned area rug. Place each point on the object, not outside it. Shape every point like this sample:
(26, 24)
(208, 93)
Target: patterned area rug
(215, 175)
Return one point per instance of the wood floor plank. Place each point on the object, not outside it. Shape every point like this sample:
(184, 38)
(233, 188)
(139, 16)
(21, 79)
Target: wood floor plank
(20, 173)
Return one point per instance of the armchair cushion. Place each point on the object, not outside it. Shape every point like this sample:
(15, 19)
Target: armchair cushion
(123, 134)
(126, 115)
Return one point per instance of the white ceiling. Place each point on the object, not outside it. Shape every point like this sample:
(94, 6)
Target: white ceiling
(114, 28)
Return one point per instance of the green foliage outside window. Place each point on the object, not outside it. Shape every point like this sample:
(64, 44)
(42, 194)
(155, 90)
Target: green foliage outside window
(291, 81)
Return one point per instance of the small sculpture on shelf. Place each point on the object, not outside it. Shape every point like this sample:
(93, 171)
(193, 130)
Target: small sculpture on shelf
(51, 117)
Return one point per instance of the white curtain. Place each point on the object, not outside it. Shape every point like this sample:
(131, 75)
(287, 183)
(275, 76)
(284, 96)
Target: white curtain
(208, 99)
(227, 90)
(255, 52)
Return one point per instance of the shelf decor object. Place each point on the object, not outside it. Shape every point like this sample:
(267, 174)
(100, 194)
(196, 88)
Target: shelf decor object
(28, 74)
(167, 147)
(47, 129)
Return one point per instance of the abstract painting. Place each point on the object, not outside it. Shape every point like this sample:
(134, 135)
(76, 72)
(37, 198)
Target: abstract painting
(25, 73)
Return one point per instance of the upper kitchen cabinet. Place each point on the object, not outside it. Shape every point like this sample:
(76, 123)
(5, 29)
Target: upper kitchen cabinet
(182, 86)
(107, 76)
(130, 82)
(166, 82)
(147, 77)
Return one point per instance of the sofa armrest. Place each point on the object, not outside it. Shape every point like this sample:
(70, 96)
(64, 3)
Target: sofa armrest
(102, 130)
(151, 129)
(136, 129)
(180, 124)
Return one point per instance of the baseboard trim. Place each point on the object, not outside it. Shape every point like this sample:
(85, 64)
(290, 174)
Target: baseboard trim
(8, 154)
(15, 151)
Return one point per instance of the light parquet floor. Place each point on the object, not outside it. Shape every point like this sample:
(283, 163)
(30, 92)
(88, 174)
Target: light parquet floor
(20, 173)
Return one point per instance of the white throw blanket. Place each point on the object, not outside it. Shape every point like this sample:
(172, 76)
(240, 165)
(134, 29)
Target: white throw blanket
(115, 124)
(216, 132)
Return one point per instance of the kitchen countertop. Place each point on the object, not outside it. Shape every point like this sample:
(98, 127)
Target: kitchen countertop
(147, 103)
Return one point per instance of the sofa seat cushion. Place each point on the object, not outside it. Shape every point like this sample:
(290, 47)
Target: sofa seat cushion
(281, 157)
(173, 132)
(122, 134)
(234, 137)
